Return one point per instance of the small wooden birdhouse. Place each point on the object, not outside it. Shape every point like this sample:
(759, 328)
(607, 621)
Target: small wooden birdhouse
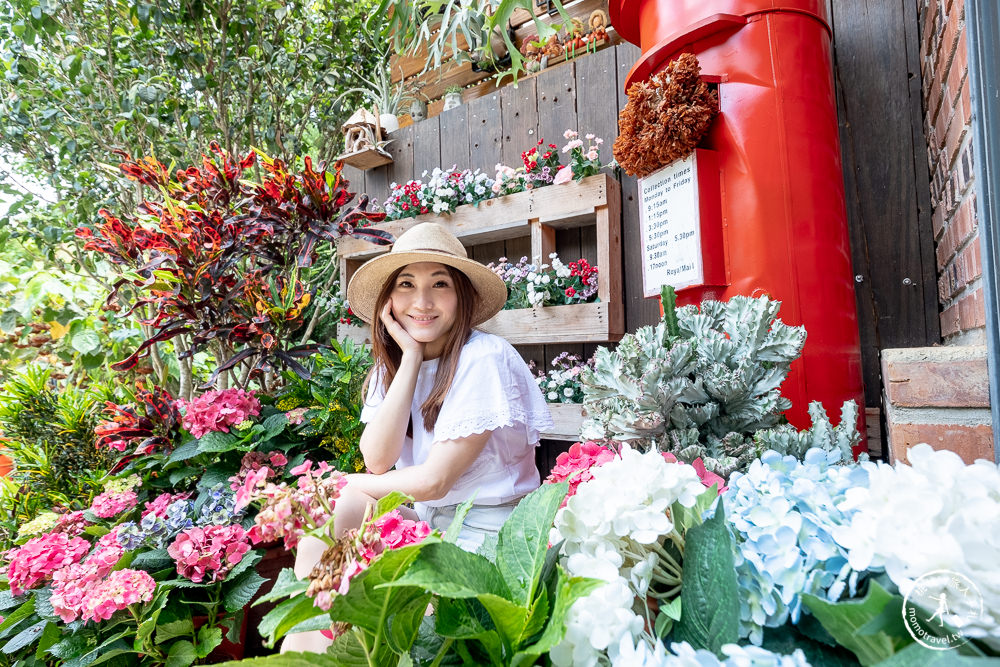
(363, 141)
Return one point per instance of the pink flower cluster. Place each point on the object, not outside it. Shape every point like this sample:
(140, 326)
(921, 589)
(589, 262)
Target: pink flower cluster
(208, 552)
(121, 589)
(113, 503)
(389, 531)
(574, 465)
(158, 506)
(81, 590)
(288, 511)
(71, 523)
(251, 464)
(218, 410)
(39, 558)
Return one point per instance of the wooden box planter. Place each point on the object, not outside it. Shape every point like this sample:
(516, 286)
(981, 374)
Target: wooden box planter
(367, 158)
(537, 213)
(568, 418)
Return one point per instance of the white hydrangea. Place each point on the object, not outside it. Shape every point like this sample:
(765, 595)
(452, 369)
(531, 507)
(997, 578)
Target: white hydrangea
(596, 624)
(613, 528)
(682, 654)
(935, 514)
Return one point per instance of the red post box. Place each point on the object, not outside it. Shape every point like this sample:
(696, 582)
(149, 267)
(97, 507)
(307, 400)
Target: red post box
(784, 220)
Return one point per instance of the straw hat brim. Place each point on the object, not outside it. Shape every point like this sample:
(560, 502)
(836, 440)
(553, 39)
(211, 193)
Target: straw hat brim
(368, 281)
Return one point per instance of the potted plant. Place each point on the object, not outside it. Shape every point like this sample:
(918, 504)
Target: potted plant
(452, 97)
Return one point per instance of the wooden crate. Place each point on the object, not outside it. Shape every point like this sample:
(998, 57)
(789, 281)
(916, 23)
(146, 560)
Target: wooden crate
(568, 418)
(537, 214)
(366, 159)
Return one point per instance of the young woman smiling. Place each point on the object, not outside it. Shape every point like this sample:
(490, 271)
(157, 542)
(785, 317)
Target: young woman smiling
(451, 412)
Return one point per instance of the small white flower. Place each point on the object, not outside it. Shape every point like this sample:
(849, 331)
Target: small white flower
(553, 396)
(568, 392)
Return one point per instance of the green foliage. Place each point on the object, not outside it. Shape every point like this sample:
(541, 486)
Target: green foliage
(709, 592)
(332, 422)
(700, 392)
(49, 429)
(841, 438)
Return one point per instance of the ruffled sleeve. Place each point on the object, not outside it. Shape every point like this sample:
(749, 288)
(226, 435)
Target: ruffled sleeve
(492, 389)
(373, 398)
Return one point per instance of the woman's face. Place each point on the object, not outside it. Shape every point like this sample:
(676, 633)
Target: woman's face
(425, 303)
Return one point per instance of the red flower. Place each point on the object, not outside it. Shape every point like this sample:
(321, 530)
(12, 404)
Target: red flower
(570, 291)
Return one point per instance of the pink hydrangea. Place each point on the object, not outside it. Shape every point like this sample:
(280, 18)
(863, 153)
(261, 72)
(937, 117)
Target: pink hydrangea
(296, 416)
(208, 552)
(288, 511)
(396, 532)
(113, 503)
(71, 523)
(74, 586)
(121, 589)
(575, 465)
(252, 462)
(158, 506)
(39, 558)
(218, 410)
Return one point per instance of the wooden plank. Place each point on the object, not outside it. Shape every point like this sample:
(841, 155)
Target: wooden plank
(485, 132)
(520, 121)
(571, 199)
(638, 310)
(434, 84)
(401, 169)
(586, 322)
(568, 418)
(426, 147)
(355, 179)
(886, 181)
(455, 138)
(543, 243)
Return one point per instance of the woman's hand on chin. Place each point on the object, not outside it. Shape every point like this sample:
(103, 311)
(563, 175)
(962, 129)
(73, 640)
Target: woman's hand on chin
(406, 342)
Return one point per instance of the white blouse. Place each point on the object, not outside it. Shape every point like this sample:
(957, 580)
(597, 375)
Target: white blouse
(493, 390)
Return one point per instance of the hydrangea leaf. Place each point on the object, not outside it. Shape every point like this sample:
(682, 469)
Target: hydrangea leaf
(844, 619)
(25, 637)
(216, 441)
(709, 592)
(404, 625)
(389, 502)
(179, 628)
(466, 619)
(917, 655)
(523, 540)
(277, 622)
(181, 654)
(286, 585)
(246, 562)
(239, 593)
(445, 569)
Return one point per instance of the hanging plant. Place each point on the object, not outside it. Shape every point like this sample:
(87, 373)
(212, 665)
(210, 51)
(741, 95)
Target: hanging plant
(665, 117)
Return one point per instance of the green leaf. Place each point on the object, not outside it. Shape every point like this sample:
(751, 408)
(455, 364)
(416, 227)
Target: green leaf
(249, 559)
(216, 441)
(404, 625)
(242, 590)
(523, 540)
(786, 639)
(918, 655)
(286, 585)
(457, 521)
(18, 615)
(25, 637)
(70, 647)
(8, 321)
(709, 594)
(277, 622)
(274, 425)
(181, 654)
(389, 502)
(186, 451)
(332, 658)
(109, 648)
(50, 637)
(445, 569)
(180, 628)
(154, 559)
(8, 601)
(844, 620)
(86, 341)
(568, 590)
(208, 639)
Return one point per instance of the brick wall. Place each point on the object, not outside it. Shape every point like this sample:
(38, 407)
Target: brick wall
(947, 124)
(940, 395)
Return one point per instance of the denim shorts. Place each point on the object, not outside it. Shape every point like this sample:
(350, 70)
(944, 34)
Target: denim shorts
(480, 522)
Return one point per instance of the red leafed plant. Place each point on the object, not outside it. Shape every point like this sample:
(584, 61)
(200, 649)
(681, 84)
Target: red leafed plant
(214, 260)
(150, 424)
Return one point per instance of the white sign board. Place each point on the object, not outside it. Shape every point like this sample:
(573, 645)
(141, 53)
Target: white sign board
(670, 219)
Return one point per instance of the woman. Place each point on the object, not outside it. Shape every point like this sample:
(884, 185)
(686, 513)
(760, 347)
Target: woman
(454, 410)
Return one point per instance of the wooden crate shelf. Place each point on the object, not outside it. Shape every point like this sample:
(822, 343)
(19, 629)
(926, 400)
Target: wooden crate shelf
(568, 418)
(536, 214)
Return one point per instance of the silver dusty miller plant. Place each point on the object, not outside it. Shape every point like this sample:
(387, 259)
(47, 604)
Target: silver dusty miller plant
(700, 383)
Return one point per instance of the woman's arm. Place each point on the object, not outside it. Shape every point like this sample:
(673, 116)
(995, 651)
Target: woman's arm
(433, 478)
(382, 439)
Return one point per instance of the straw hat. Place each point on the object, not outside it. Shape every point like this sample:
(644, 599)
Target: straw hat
(426, 242)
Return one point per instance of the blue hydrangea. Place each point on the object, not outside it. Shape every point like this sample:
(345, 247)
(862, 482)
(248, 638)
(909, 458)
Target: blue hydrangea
(783, 513)
(219, 508)
(154, 531)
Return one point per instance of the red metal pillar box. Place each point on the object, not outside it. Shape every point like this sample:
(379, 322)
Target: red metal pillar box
(783, 216)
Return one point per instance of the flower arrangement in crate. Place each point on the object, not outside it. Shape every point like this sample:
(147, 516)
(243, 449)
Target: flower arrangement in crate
(581, 163)
(561, 384)
(530, 286)
(444, 192)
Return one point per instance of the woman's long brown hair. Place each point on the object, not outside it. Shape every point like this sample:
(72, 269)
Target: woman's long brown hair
(388, 355)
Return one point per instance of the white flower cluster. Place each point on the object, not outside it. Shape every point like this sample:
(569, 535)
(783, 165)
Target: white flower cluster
(935, 514)
(612, 529)
(683, 654)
